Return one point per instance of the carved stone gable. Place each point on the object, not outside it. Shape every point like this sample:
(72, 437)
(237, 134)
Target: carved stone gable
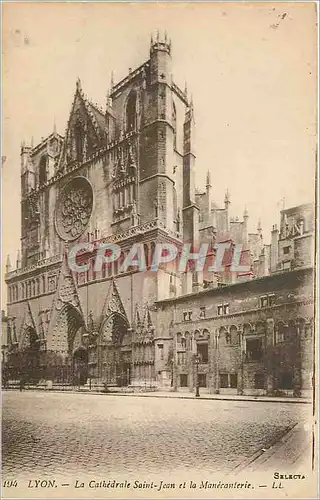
(85, 132)
(113, 303)
(67, 292)
(27, 324)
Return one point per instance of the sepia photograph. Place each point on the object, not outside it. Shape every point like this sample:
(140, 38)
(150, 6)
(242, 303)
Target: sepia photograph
(159, 252)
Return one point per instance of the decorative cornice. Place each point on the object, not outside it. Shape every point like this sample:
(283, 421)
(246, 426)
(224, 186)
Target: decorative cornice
(246, 312)
(29, 269)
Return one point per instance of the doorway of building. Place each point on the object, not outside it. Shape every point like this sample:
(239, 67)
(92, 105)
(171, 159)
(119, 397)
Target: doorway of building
(116, 356)
(80, 366)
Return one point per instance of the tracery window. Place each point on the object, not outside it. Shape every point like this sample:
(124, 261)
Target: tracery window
(131, 112)
(43, 170)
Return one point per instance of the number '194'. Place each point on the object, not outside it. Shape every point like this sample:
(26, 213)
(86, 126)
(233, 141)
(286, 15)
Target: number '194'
(10, 483)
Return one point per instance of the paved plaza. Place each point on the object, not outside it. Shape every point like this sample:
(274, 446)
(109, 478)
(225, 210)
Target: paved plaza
(54, 433)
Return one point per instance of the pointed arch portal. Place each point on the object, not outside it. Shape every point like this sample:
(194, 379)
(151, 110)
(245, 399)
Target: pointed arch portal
(115, 350)
(80, 365)
(68, 346)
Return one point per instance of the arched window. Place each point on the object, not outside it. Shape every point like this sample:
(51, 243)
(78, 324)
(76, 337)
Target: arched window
(131, 112)
(234, 337)
(146, 254)
(43, 170)
(78, 130)
(152, 250)
(188, 339)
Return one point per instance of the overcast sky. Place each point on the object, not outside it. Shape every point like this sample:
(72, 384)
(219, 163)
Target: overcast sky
(251, 69)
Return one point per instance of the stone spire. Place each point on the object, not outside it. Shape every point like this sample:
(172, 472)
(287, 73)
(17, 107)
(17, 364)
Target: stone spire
(18, 260)
(8, 264)
(227, 199)
(191, 108)
(79, 84)
(245, 226)
(208, 180)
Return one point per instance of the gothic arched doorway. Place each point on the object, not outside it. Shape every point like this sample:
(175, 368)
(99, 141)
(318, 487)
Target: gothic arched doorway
(67, 355)
(80, 366)
(30, 362)
(115, 354)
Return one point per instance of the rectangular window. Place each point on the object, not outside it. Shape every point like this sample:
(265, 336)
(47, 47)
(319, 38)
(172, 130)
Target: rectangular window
(286, 250)
(233, 380)
(202, 378)
(202, 312)
(271, 300)
(121, 198)
(287, 265)
(285, 380)
(263, 301)
(181, 358)
(187, 316)
(223, 309)
(202, 350)
(267, 300)
(224, 382)
(254, 349)
(279, 336)
(259, 381)
(160, 347)
(284, 334)
(183, 380)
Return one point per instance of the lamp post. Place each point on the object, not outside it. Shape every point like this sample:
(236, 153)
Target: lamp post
(90, 340)
(217, 368)
(197, 359)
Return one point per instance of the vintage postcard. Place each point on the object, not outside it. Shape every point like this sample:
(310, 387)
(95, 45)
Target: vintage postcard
(159, 319)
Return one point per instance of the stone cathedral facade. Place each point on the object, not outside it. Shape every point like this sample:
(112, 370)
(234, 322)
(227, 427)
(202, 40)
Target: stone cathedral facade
(124, 175)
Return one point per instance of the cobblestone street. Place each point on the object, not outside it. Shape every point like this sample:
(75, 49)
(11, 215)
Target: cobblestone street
(55, 433)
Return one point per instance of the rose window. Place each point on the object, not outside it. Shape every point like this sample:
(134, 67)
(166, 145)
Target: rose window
(74, 208)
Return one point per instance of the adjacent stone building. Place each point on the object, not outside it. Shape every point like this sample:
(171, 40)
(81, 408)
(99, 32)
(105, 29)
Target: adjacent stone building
(126, 175)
